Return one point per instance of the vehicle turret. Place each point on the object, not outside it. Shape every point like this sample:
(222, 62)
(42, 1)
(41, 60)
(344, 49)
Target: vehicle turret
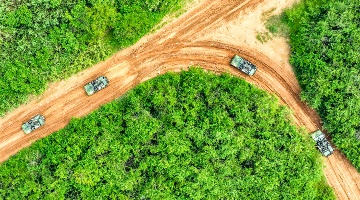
(96, 85)
(243, 65)
(33, 123)
(322, 143)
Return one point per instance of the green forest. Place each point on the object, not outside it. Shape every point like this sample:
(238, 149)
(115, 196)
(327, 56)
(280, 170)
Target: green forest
(325, 53)
(48, 40)
(188, 135)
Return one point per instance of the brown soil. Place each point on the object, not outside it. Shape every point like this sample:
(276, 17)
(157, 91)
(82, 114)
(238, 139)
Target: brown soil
(209, 34)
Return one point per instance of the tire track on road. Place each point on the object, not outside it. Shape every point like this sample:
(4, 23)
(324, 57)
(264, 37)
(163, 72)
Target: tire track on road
(176, 46)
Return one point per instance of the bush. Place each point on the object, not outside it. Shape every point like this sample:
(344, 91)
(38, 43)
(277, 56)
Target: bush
(325, 43)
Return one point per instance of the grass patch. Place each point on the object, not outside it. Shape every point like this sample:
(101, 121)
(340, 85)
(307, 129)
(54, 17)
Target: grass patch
(277, 26)
(263, 36)
(265, 15)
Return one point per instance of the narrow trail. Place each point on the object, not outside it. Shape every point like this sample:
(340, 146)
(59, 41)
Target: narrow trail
(176, 46)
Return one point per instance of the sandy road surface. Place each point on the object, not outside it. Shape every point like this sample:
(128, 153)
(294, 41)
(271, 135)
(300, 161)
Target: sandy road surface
(209, 34)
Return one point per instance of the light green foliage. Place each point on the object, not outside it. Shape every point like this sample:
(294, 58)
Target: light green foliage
(43, 41)
(192, 135)
(276, 25)
(263, 37)
(325, 43)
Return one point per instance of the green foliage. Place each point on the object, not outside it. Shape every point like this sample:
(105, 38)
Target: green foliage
(48, 40)
(263, 36)
(192, 135)
(325, 43)
(276, 25)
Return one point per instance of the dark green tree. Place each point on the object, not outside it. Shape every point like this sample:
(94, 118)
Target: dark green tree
(325, 43)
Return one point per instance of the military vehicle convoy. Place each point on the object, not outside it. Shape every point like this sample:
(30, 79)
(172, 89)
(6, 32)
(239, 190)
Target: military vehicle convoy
(96, 85)
(322, 143)
(243, 65)
(33, 123)
(90, 88)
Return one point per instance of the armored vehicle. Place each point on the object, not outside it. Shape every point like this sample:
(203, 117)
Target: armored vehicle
(321, 143)
(96, 85)
(244, 65)
(33, 124)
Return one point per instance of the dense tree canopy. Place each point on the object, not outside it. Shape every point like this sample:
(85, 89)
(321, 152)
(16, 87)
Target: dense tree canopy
(47, 40)
(192, 135)
(325, 45)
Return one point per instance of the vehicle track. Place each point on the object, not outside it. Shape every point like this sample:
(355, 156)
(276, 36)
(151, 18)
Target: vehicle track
(229, 50)
(172, 48)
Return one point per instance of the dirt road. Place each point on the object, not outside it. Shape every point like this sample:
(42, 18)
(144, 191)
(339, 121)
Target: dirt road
(209, 34)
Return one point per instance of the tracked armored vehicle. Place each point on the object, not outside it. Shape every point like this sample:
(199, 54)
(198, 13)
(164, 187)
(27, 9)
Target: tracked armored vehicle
(243, 65)
(96, 85)
(33, 123)
(322, 143)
